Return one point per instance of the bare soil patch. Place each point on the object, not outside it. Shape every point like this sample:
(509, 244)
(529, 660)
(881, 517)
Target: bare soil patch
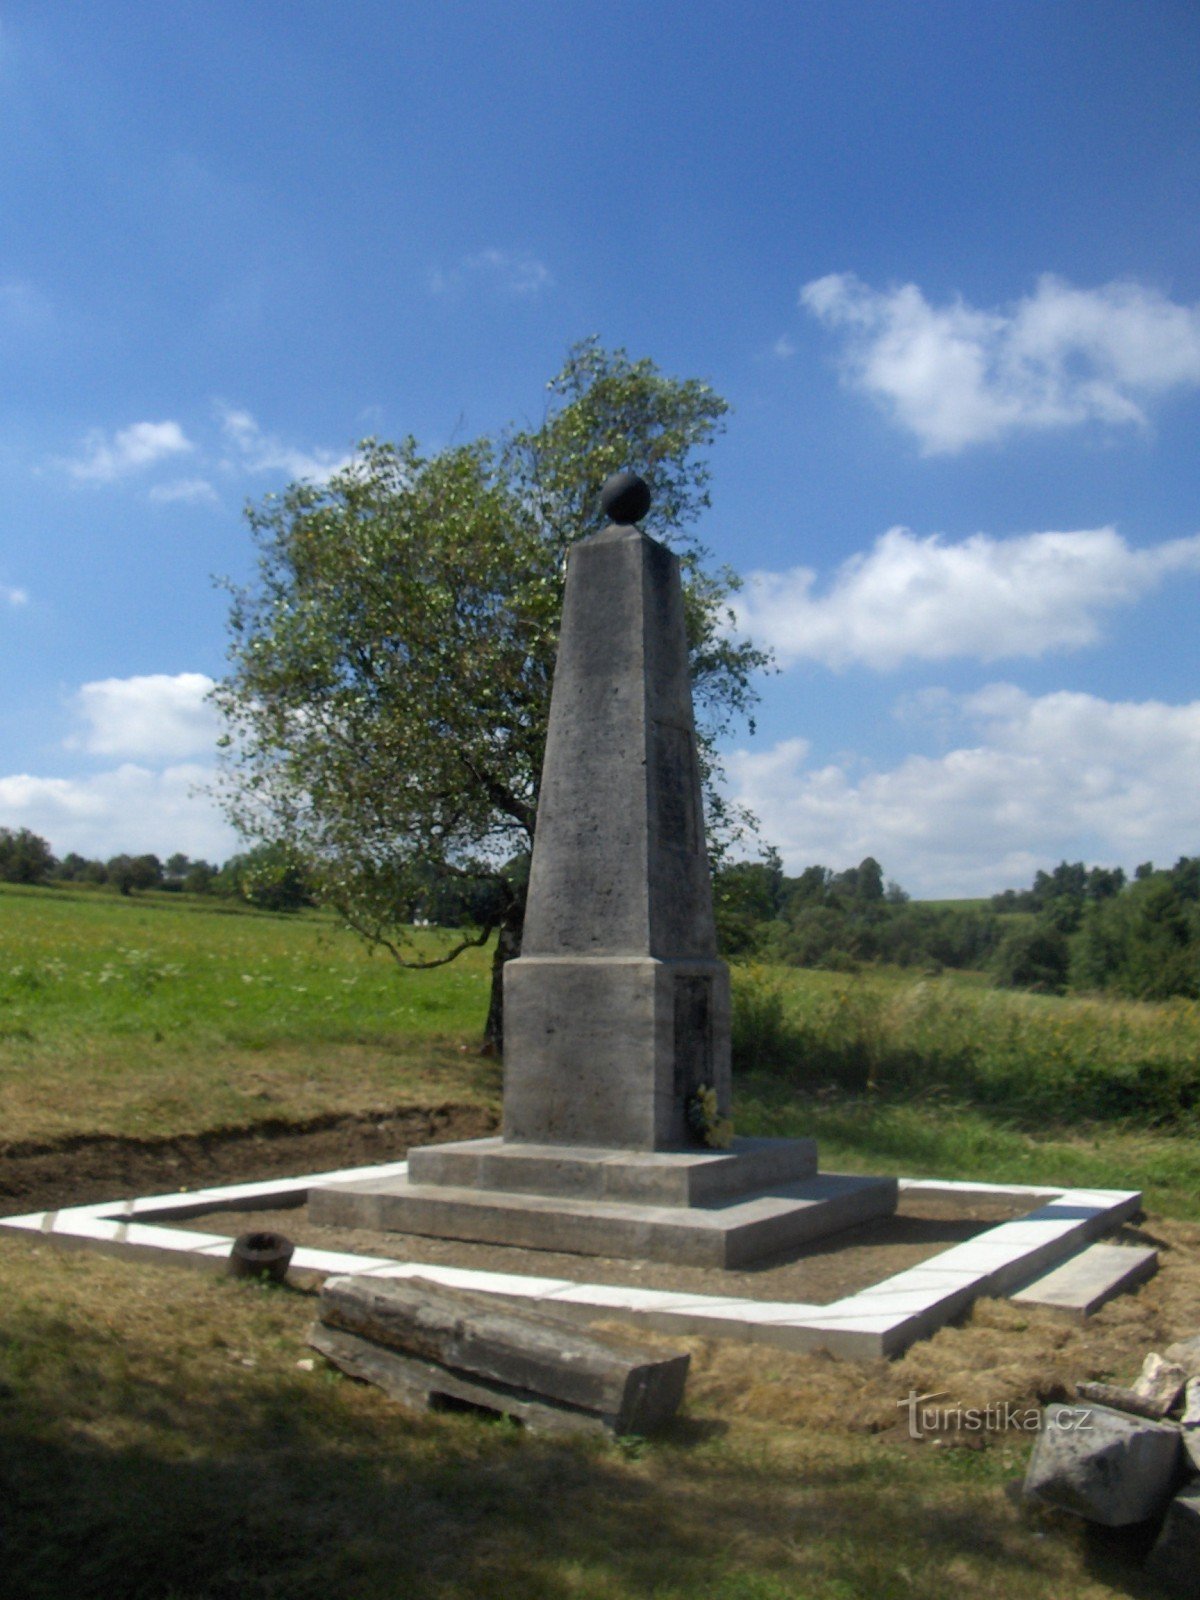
(841, 1264)
(87, 1168)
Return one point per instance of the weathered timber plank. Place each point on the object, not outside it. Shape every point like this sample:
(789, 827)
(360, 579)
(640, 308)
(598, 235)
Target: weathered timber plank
(526, 1350)
(421, 1384)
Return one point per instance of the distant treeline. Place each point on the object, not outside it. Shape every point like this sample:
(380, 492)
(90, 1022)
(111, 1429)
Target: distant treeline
(840, 920)
(1140, 939)
(1078, 928)
(269, 876)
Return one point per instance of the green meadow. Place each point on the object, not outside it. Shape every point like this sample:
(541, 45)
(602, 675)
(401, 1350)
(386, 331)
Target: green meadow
(157, 1014)
(162, 1439)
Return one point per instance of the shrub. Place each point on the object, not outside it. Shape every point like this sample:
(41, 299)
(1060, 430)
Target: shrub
(1036, 957)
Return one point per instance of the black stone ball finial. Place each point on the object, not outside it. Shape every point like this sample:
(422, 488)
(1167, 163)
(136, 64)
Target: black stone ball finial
(624, 498)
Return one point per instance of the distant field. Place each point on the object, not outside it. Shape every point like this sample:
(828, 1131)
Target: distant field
(983, 903)
(944, 1075)
(158, 1015)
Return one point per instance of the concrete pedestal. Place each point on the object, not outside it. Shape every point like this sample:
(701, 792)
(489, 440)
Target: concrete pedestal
(607, 1050)
(703, 1208)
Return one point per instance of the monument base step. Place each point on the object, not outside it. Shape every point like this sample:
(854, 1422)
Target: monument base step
(645, 1177)
(725, 1235)
(1081, 1285)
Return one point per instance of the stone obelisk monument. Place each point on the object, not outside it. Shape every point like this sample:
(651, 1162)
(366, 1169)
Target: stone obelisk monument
(617, 1010)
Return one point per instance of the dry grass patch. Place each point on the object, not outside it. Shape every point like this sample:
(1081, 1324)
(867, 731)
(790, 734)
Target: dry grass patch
(165, 1090)
(159, 1440)
(999, 1354)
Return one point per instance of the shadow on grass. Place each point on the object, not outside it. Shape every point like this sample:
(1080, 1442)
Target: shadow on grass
(197, 1482)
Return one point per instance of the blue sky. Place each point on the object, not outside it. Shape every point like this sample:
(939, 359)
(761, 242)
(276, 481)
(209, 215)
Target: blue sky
(941, 259)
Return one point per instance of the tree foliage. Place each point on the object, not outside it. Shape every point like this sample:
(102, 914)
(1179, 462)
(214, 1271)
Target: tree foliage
(390, 666)
(822, 918)
(272, 877)
(1145, 942)
(127, 873)
(25, 857)
(1034, 955)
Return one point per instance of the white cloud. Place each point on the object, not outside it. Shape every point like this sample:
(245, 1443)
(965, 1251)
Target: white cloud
(264, 452)
(1060, 776)
(911, 598)
(188, 491)
(13, 597)
(509, 272)
(154, 798)
(133, 448)
(955, 375)
(129, 809)
(159, 717)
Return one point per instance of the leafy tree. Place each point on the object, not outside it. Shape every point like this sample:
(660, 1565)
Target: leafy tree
(128, 873)
(199, 877)
(1105, 882)
(868, 882)
(1035, 955)
(810, 888)
(273, 877)
(74, 868)
(746, 896)
(25, 857)
(1145, 943)
(390, 672)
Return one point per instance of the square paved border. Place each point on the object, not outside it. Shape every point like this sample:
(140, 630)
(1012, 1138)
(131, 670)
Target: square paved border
(882, 1320)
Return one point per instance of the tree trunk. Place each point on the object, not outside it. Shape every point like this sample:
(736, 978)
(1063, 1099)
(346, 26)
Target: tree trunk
(508, 947)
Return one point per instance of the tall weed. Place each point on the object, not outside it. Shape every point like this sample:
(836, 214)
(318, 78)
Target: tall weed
(1029, 1057)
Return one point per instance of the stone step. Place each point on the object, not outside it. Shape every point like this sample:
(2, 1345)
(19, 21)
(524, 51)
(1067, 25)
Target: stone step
(723, 1235)
(643, 1177)
(1085, 1282)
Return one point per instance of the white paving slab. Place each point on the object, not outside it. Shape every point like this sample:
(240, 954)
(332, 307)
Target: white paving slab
(882, 1319)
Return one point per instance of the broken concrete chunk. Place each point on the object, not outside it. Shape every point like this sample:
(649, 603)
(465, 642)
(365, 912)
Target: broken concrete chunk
(1104, 1465)
(1185, 1353)
(424, 1385)
(1190, 1421)
(1160, 1382)
(512, 1353)
(1175, 1559)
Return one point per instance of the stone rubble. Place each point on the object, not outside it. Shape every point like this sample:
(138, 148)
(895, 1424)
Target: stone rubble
(1160, 1381)
(1132, 1455)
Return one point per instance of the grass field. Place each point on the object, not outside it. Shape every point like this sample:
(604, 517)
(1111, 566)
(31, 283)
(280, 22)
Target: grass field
(158, 1440)
(158, 1014)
